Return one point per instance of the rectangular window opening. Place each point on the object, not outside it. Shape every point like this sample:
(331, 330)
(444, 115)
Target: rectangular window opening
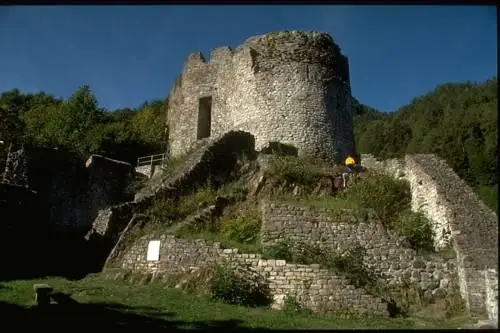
(204, 117)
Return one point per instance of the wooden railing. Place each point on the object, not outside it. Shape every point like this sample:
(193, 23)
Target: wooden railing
(151, 160)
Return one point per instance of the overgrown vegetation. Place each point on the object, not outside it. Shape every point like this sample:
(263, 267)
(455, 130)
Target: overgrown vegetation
(347, 261)
(244, 228)
(382, 193)
(293, 306)
(120, 304)
(416, 229)
(456, 121)
(390, 199)
(404, 299)
(224, 283)
(80, 125)
(289, 171)
(229, 286)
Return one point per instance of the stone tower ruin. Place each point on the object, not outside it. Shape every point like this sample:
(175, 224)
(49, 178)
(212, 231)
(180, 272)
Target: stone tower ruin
(287, 87)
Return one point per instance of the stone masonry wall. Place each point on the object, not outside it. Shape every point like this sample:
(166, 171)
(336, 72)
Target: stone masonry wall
(213, 159)
(146, 170)
(385, 254)
(70, 191)
(288, 87)
(457, 216)
(314, 287)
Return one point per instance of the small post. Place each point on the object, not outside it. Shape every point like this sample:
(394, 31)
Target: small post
(42, 294)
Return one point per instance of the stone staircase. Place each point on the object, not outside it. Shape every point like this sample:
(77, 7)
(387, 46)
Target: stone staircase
(170, 178)
(201, 220)
(205, 159)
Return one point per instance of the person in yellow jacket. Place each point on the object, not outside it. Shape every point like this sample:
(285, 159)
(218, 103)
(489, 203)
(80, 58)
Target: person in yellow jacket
(350, 164)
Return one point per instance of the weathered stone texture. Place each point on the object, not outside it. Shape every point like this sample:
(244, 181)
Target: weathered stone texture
(385, 254)
(70, 192)
(146, 170)
(288, 87)
(150, 170)
(213, 159)
(314, 287)
(457, 216)
(107, 180)
(491, 281)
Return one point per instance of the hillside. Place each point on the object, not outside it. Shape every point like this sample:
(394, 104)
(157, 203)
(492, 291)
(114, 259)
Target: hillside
(252, 228)
(456, 121)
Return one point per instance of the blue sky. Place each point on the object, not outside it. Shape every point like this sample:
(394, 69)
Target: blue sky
(129, 54)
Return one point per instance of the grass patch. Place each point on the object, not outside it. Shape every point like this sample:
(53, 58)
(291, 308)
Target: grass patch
(154, 306)
(166, 212)
(294, 170)
(225, 283)
(337, 207)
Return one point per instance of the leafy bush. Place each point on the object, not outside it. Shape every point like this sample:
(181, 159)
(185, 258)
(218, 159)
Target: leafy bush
(350, 262)
(243, 229)
(385, 195)
(229, 286)
(280, 250)
(292, 305)
(416, 229)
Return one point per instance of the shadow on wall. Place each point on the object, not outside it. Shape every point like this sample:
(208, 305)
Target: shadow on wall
(68, 314)
(47, 203)
(280, 149)
(219, 163)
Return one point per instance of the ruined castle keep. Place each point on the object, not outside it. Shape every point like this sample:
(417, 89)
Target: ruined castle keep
(287, 87)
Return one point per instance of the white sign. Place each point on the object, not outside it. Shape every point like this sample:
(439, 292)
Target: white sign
(153, 251)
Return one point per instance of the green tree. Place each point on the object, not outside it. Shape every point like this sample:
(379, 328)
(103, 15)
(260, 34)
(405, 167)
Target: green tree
(456, 121)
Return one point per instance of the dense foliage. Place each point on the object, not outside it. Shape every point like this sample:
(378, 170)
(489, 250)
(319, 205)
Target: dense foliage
(78, 124)
(458, 122)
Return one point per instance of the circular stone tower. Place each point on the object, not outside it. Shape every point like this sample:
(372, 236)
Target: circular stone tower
(286, 87)
(293, 88)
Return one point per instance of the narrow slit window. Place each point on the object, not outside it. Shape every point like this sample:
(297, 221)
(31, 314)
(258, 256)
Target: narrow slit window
(204, 117)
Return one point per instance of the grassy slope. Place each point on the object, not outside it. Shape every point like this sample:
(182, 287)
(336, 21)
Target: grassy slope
(153, 306)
